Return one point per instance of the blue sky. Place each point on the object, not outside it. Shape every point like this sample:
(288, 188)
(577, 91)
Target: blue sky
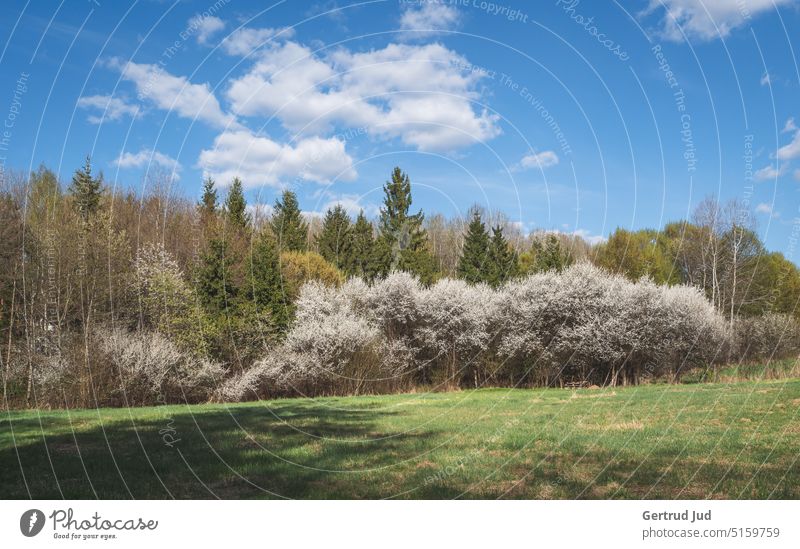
(566, 115)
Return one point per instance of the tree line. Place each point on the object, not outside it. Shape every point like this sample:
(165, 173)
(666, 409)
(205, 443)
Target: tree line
(87, 270)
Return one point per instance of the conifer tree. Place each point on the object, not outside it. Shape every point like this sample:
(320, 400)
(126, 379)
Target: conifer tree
(551, 256)
(334, 241)
(403, 242)
(473, 266)
(236, 206)
(266, 284)
(503, 261)
(362, 253)
(287, 224)
(214, 281)
(87, 190)
(208, 202)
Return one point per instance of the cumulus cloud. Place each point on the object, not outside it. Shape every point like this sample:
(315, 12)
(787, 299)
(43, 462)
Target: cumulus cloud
(175, 93)
(420, 94)
(769, 172)
(589, 237)
(247, 40)
(541, 160)
(259, 160)
(766, 79)
(789, 126)
(204, 27)
(707, 19)
(147, 157)
(109, 107)
(428, 19)
(790, 151)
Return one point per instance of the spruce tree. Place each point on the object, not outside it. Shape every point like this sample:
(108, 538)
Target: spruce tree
(214, 281)
(236, 206)
(503, 261)
(287, 224)
(551, 256)
(403, 242)
(208, 202)
(362, 252)
(266, 284)
(473, 266)
(334, 241)
(87, 191)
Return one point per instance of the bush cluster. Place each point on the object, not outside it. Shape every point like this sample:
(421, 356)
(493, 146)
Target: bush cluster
(579, 325)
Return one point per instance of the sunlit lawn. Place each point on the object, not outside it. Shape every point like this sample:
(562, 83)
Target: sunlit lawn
(739, 440)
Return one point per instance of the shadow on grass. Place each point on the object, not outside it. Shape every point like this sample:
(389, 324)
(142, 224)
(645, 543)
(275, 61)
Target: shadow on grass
(295, 450)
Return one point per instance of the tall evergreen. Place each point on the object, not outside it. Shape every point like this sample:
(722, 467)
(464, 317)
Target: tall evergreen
(551, 256)
(334, 241)
(236, 206)
(214, 280)
(362, 252)
(266, 284)
(473, 266)
(403, 242)
(87, 191)
(287, 224)
(503, 261)
(208, 202)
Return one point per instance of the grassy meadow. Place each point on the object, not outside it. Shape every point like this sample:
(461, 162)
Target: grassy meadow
(720, 440)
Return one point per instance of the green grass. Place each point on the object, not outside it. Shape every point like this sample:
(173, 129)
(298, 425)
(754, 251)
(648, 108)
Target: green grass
(737, 440)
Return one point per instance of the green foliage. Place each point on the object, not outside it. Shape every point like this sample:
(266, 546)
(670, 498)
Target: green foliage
(266, 288)
(287, 224)
(473, 266)
(297, 268)
(214, 278)
(335, 241)
(547, 255)
(638, 254)
(87, 191)
(236, 206)
(503, 261)
(362, 256)
(208, 203)
(403, 242)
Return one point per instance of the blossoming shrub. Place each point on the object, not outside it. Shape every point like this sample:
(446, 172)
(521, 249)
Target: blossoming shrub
(581, 325)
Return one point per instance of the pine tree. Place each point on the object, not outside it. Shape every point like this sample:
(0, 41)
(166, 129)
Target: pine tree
(288, 225)
(87, 191)
(503, 261)
(551, 256)
(403, 242)
(473, 266)
(208, 203)
(334, 241)
(236, 206)
(362, 253)
(214, 281)
(266, 283)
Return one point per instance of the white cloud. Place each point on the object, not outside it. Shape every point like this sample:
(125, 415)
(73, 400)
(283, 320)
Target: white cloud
(420, 94)
(111, 108)
(790, 151)
(247, 40)
(789, 126)
(352, 204)
(764, 208)
(428, 19)
(205, 27)
(766, 80)
(707, 19)
(175, 93)
(769, 172)
(797, 175)
(259, 160)
(541, 160)
(147, 157)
